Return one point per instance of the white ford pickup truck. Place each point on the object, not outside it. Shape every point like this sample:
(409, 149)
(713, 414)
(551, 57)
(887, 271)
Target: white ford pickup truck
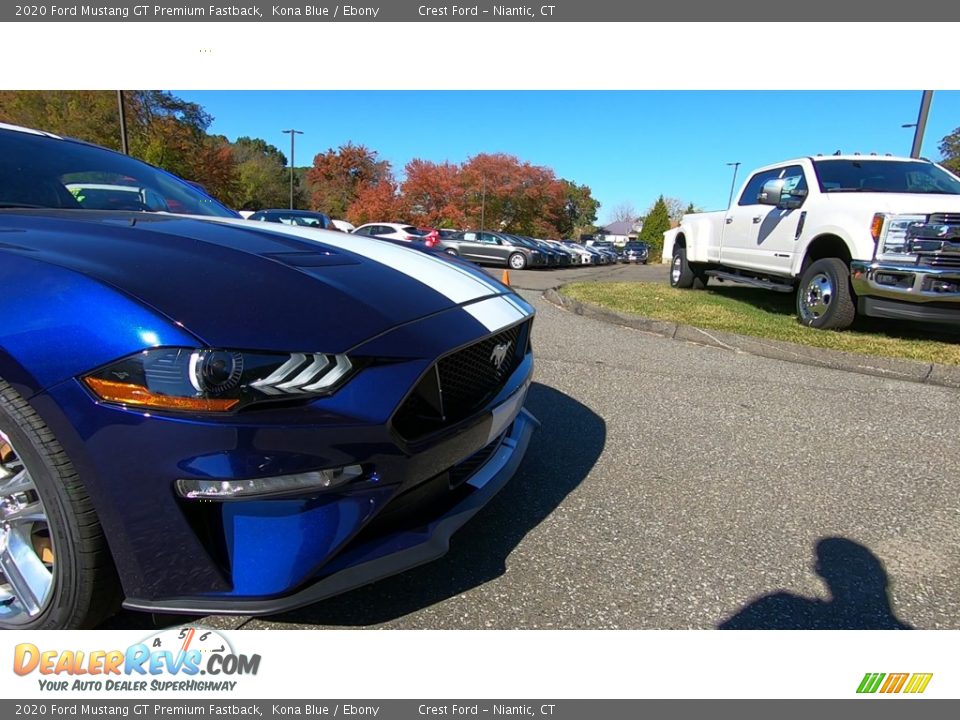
(877, 235)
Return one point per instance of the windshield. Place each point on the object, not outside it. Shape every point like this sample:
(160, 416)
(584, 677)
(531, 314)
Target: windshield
(42, 172)
(884, 176)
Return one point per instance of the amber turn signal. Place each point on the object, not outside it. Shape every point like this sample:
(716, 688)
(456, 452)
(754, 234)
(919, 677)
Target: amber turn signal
(876, 226)
(128, 394)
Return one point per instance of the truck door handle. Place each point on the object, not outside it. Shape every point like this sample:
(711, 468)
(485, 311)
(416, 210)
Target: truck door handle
(758, 218)
(729, 220)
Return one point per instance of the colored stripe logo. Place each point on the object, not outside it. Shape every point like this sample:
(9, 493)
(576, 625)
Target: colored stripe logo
(911, 683)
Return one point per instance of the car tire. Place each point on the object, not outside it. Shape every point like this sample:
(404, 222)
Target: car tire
(56, 568)
(517, 261)
(824, 298)
(683, 274)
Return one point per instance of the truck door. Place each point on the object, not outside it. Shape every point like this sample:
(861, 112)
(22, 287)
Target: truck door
(738, 246)
(764, 237)
(777, 233)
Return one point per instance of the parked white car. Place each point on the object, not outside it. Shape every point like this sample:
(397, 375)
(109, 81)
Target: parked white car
(584, 257)
(569, 252)
(875, 235)
(343, 225)
(393, 231)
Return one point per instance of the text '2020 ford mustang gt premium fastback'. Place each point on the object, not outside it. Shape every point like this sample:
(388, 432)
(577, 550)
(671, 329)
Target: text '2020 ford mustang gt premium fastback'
(204, 414)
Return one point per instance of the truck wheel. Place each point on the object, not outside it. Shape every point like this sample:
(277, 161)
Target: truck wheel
(682, 275)
(824, 299)
(55, 568)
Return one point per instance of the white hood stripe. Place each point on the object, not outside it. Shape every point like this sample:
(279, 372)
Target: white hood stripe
(495, 313)
(443, 277)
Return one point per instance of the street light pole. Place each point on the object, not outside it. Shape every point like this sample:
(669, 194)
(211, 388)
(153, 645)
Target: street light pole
(293, 134)
(921, 123)
(733, 183)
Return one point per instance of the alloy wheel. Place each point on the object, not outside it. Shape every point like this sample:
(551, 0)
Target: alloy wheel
(26, 545)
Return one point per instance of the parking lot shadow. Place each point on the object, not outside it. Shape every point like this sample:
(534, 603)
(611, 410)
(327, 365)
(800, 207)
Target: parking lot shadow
(858, 596)
(561, 454)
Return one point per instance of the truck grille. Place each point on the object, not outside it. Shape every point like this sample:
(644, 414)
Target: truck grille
(944, 219)
(940, 260)
(937, 241)
(462, 383)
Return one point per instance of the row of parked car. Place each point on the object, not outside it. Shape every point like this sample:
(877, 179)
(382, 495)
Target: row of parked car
(484, 247)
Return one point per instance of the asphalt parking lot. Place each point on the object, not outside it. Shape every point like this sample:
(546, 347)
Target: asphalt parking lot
(674, 485)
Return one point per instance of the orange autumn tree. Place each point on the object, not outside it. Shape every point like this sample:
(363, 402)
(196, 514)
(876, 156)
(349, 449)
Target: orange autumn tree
(379, 201)
(434, 194)
(338, 177)
(512, 195)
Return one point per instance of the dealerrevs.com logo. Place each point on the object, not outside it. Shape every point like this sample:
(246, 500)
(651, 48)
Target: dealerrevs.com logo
(181, 653)
(887, 684)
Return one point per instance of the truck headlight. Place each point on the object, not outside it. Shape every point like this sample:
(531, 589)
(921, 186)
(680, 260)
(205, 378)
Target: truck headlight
(214, 380)
(890, 234)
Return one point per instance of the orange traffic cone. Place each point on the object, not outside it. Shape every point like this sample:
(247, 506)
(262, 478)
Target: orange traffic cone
(505, 278)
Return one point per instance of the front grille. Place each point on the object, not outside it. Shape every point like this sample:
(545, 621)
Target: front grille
(939, 261)
(461, 383)
(944, 219)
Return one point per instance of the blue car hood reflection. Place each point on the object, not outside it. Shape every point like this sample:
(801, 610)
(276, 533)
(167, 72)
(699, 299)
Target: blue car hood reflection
(236, 284)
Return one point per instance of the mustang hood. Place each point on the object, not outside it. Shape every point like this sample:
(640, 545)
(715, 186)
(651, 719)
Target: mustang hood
(238, 284)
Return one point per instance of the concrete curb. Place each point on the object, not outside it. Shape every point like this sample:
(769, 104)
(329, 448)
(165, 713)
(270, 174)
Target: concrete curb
(909, 370)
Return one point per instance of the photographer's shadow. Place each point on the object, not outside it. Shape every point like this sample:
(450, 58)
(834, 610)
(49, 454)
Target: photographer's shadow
(561, 454)
(858, 596)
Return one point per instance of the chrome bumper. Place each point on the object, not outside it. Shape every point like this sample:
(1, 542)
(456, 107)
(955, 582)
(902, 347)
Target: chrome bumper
(905, 283)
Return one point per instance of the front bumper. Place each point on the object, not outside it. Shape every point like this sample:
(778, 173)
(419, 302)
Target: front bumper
(385, 556)
(906, 291)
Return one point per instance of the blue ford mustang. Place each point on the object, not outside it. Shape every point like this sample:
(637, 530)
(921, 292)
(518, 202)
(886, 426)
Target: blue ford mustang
(204, 414)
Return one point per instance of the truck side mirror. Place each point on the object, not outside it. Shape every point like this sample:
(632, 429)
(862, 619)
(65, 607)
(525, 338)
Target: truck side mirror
(772, 192)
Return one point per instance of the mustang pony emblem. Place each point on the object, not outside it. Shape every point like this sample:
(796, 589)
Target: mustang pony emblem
(499, 354)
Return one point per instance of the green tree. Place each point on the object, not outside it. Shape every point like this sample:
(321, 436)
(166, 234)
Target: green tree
(264, 178)
(950, 151)
(656, 223)
(579, 210)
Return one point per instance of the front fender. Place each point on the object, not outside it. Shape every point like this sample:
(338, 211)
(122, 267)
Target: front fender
(58, 324)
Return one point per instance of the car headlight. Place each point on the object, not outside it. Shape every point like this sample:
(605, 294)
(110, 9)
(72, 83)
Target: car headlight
(890, 234)
(209, 380)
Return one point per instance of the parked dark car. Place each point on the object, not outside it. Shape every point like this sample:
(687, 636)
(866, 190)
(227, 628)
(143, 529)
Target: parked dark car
(304, 218)
(202, 414)
(493, 248)
(556, 257)
(636, 252)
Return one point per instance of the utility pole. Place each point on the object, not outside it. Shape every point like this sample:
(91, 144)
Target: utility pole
(733, 183)
(123, 124)
(293, 134)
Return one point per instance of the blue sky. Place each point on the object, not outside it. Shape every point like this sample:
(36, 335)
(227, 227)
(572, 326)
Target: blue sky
(628, 146)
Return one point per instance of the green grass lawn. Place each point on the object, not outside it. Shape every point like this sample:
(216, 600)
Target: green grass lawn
(761, 313)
